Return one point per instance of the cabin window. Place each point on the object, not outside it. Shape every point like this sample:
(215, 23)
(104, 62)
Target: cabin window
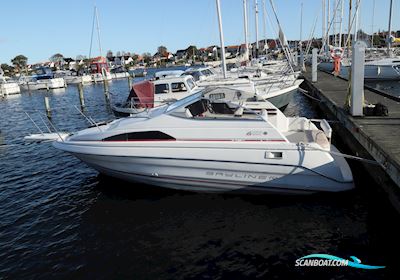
(140, 136)
(191, 84)
(206, 72)
(194, 74)
(216, 96)
(161, 88)
(178, 87)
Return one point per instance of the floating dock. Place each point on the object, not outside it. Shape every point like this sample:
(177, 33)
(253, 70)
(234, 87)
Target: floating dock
(374, 137)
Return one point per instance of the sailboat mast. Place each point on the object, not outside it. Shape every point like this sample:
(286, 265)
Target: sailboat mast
(341, 22)
(256, 18)
(221, 37)
(390, 26)
(323, 23)
(372, 24)
(301, 22)
(348, 29)
(91, 37)
(329, 22)
(98, 30)
(265, 26)
(334, 24)
(356, 20)
(246, 36)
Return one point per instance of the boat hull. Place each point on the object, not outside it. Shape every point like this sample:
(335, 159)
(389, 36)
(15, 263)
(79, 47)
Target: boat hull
(281, 101)
(85, 79)
(215, 170)
(371, 71)
(120, 75)
(9, 88)
(44, 84)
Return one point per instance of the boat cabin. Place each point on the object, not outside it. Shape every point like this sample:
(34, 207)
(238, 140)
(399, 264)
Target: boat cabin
(99, 65)
(199, 74)
(173, 88)
(43, 73)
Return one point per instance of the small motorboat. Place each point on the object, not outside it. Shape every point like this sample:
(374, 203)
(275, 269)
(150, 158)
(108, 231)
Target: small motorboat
(211, 142)
(8, 87)
(153, 93)
(43, 79)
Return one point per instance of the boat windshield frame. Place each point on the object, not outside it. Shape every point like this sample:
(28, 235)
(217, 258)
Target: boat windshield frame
(185, 101)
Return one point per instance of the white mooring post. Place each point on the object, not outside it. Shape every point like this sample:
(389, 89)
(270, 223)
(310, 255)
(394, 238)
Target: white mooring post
(314, 65)
(357, 79)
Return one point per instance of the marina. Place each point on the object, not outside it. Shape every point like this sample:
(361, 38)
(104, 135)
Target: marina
(70, 214)
(266, 158)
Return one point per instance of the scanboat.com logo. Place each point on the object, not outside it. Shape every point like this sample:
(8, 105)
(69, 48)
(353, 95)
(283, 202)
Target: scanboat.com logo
(329, 260)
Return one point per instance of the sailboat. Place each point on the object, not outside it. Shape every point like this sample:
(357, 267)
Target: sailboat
(381, 65)
(98, 67)
(267, 84)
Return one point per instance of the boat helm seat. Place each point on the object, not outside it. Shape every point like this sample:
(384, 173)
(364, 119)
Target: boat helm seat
(198, 108)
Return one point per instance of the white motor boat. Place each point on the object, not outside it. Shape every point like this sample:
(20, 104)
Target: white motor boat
(48, 84)
(43, 79)
(207, 144)
(166, 88)
(8, 87)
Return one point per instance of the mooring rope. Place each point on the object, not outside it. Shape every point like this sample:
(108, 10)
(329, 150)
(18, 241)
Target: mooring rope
(303, 91)
(369, 161)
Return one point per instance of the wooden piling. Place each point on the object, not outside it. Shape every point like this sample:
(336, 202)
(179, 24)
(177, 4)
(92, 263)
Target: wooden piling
(81, 98)
(106, 93)
(47, 106)
(129, 82)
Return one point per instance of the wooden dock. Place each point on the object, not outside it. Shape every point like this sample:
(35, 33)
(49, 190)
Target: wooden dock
(376, 137)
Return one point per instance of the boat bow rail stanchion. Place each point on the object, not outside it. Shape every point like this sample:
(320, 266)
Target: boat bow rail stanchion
(89, 119)
(42, 136)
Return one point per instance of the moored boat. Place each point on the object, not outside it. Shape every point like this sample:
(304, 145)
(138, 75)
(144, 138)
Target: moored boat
(206, 143)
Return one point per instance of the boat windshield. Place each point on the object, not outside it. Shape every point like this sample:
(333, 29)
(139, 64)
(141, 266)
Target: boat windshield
(185, 101)
(190, 83)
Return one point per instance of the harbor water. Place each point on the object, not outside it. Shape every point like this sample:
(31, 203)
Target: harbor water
(61, 219)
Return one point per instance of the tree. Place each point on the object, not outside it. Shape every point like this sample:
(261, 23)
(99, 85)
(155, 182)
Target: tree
(109, 53)
(146, 57)
(19, 62)
(162, 50)
(191, 51)
(57, 57)
(8, 69)
(376, 40)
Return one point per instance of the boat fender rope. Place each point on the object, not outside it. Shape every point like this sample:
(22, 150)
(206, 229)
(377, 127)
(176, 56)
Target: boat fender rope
(303, 91)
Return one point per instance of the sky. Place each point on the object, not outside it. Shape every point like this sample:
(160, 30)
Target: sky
(39, 29)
